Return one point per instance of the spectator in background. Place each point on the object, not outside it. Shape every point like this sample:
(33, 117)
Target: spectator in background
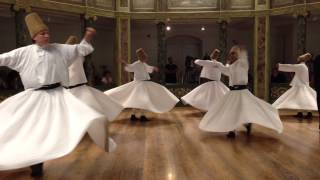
(171, 71)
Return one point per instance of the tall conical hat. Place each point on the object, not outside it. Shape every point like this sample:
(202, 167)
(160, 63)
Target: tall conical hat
(35, 24)
(72, 40)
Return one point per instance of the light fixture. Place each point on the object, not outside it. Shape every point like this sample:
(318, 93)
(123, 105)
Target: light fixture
(168, 28)
(203, 28)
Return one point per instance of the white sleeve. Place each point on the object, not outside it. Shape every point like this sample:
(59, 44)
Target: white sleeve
(288, 67)
(149, 68)
(203, 62)
(130, 67)
(223, 68)
(71, 52)
(11, 59)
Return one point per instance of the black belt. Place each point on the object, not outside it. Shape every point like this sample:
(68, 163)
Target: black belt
(147, 80)
(74, 86)
(208, 79)
(238, 87)
(49, 86)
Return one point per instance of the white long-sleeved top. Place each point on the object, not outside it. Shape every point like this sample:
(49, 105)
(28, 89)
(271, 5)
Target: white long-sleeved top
(209, 70)
(301, 73)
(237, 71)
(140, 69)
(76, 71)
(42, 66)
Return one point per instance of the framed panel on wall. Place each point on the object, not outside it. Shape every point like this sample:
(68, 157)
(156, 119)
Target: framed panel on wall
(105, 4)
(280, 3)
(176, 5)
(145, 5)
(240, 4)
(82, 2)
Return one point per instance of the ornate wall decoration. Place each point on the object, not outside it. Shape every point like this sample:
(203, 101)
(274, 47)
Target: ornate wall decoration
(124, 44)
(301, 34)
(261, 59)
(223, 39)
(162, 48)
(192, 4)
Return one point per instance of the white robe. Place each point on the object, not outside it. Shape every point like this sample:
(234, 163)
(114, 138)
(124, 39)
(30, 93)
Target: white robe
(141, 93)
(206, 95)
(300, 96)
(96, 100)
(39, 125)
(239, 107)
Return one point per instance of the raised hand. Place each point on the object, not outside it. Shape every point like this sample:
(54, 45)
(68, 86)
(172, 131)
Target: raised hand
(90, 33)
(155, 69)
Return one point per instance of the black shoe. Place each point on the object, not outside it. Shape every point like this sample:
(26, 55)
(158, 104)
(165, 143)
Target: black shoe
(248, 127)
(298, 115)
(37, 170)
(309, 115)
(133, 118)
(144, 119)
(231, 134)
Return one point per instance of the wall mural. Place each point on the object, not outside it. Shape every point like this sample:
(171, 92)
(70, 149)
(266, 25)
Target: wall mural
(189, 4)
(145, 4)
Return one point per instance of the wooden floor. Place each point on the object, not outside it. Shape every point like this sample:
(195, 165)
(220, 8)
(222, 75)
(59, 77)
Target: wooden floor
(172, 146)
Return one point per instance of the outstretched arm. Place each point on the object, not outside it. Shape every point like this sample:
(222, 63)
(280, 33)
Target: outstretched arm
(71, 52)
(203, 62)
(288, 67)
(11, 59)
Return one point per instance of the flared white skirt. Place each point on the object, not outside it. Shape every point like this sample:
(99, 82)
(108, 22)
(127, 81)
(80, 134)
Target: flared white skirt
(144, 95)
(37, 126)
(206, 95)
(298, 98)
(103, 104)
(237, 108)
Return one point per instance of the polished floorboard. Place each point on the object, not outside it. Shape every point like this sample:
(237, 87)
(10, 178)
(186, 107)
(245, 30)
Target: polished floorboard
(172, 147)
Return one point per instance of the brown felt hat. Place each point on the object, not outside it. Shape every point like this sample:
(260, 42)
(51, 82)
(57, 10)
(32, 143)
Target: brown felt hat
(35, 24)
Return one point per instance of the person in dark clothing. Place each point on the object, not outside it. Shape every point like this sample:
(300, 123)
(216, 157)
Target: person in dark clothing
(171, 71)
(316, 77)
